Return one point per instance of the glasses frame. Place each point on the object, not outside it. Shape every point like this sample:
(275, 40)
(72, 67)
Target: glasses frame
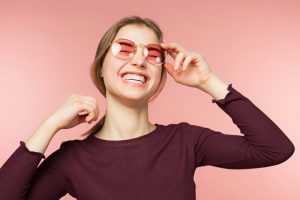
(135, 48)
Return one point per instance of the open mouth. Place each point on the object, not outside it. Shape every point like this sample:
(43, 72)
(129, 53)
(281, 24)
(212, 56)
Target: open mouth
(134, 78)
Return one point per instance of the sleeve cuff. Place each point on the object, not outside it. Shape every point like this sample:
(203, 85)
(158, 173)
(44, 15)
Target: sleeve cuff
(23, 146)
(227, 97)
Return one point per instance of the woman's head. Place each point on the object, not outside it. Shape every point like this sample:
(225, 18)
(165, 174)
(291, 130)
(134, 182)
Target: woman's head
(139, 30)
(121, 58)
(109, 36)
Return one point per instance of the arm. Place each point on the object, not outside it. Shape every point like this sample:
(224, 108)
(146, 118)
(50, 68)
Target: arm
(51, 180)
(215, 87)
(40, 139)
(263, 144)
(19, 176)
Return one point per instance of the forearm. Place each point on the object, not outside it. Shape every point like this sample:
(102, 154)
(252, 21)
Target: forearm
(40, 139)
(215, 87)
(18, 171)
(263, 144)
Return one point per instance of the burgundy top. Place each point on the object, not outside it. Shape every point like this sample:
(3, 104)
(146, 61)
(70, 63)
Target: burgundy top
(157, 166)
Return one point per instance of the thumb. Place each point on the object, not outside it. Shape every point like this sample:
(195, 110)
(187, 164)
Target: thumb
(170, 68)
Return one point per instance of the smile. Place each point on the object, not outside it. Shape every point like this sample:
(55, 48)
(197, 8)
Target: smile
(135, 78)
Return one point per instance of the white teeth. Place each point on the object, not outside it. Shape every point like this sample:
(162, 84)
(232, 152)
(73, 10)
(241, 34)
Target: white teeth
(135, 77)
(134, 81)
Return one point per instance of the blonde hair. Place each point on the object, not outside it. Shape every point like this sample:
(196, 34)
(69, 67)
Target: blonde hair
(103, 46)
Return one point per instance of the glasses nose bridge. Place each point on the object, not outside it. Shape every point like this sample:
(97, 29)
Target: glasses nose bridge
(142, 51)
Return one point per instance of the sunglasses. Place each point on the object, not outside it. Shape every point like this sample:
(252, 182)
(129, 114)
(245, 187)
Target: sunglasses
(125, 49)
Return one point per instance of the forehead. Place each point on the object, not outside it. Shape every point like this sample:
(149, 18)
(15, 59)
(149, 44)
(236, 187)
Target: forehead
(139, 34)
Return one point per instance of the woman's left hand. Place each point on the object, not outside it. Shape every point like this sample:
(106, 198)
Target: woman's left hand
(189, 68)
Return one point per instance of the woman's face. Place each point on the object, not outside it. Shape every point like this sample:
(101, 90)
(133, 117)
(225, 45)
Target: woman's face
(114, 68)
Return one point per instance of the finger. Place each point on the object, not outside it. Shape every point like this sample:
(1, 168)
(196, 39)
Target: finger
(186, 62)
(93, 112)
(179, 60)
(172, 53)
(91, 101)
(174, 46)
(170, 68)
(88, 99)
(84, 105)
(92, 116)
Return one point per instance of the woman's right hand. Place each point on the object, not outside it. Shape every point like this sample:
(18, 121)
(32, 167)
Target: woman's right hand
(75, 110)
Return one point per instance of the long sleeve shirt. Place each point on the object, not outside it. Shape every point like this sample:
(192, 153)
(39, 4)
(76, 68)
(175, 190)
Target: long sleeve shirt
(157, 166)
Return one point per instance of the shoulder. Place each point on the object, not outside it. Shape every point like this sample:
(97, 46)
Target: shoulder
(186, 130)
(70, 148)
(69, 144)
(61, 158)
(184, 127)
(61, 155)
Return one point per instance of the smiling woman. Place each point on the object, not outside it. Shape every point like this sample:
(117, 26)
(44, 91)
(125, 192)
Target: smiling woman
(124, 155)
(118, 55)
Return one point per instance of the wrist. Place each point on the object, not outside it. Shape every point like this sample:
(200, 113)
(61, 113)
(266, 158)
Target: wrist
(51, 125)
(41, 137)
(215, 87)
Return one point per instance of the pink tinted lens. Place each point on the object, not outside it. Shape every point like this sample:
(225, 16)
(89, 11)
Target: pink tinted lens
(155, 54)
(123, 49)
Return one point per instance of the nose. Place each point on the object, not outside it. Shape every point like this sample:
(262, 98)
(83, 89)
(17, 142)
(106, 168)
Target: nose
(139, 58)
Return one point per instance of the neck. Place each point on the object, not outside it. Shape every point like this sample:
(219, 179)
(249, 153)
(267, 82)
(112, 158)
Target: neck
(125, 120)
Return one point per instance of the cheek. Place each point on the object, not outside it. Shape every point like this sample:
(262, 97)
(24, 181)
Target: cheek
(158, 73)
(112, 66)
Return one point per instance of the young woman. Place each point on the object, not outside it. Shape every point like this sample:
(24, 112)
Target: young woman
(125, 156)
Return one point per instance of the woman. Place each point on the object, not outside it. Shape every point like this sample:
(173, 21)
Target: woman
(125, 156)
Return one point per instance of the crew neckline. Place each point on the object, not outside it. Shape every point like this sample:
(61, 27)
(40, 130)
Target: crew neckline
(139, 139)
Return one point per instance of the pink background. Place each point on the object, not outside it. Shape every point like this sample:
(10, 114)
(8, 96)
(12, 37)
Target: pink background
(46, 50)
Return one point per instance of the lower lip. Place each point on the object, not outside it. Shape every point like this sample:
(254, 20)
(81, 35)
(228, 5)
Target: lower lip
(134, 84)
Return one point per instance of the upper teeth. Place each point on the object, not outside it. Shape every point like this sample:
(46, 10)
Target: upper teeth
(134, 76)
